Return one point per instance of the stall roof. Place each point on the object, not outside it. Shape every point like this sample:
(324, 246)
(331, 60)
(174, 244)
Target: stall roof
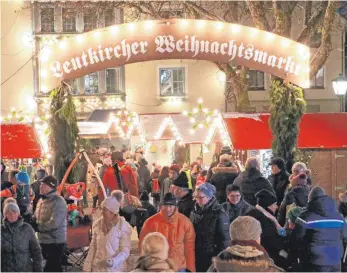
(19, 141)
(317, 130)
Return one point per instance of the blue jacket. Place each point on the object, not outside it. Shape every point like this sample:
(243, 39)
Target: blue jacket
(319, 232)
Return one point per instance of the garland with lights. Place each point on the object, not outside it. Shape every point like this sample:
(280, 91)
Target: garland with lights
(200, 117)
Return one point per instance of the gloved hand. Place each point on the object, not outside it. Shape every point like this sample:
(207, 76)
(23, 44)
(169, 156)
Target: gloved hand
(105, 263)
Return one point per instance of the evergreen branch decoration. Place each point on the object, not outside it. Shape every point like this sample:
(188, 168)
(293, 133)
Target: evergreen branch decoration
(63, 137)
(287, 107)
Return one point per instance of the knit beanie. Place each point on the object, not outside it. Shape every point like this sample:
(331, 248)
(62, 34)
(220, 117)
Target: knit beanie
(245, 228)
(23, 177)
(181, 181)
(111, 203)
(294, 213)
(208, 189)
(13, 207)
(155, 245)
(315, 193)
(144, 196)
(175, 168)
(265, 198)
(225, 150)
(119, 195)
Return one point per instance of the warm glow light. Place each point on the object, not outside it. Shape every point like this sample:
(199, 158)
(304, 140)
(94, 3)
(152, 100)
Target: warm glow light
(304, 52)
(149, 25)
(80, 38)
(62, 44)
(184, 23)
(254, 32)
(131, 26)
(96, 34)
(185, 113)
(45, 54)
(200, 100)
(43, 73)
(201, 125)
(285, 42)
(192, 131)
(201, 24)
(270, 36)
(219, 25)
(192, 120)
(235, 28)
(195, 110)
(114, 30)
(27, 39)
(221, 76)
(44, 88)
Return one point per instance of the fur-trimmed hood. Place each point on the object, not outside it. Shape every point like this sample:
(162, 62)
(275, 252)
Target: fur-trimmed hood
(153, 264)
(247, 256)
(223, 169)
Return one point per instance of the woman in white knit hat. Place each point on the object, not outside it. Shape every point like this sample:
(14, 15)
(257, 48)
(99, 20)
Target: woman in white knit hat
(111, 240)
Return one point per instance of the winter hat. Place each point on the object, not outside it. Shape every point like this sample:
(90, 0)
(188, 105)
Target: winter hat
(181, 181)
(13, 207)
(169, 200)
(119, 195)
(117, 155)
(50, 181)
(9, 200)
(23, 177)
(294, 213)
(144, 196)
(245, 228)
(155, 245)
(225, 159)
(279, 162)
(265, 198)
(225, 150)
(175, 168)
(208, 189)
(315, 193)
(111, 203)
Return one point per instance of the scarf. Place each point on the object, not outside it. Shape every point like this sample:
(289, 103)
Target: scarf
(246, 249)
(268, 215)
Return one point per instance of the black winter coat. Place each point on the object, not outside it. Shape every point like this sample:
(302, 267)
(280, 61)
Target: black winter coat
(251, 181)
(221, 178)
(242, 208)
(20, 249)
(211, 225)
(279, 183)
(318, 233)
(186, 204)
(270, 239)
(343, 209)
(297, 195)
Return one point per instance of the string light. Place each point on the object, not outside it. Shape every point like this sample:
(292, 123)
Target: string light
(149, 25)
(235, 28)
(169, 122)
(114, 30)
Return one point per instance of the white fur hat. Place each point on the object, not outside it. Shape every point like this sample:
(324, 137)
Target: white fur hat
(155, 244)
(111, 203)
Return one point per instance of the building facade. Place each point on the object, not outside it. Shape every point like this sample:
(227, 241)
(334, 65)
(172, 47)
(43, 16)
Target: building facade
(149, 87)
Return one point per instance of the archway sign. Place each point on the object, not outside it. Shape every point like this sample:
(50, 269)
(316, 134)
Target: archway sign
(217, 41)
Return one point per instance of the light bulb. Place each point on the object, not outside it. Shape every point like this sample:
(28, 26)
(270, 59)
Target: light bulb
(80, 38)
(114, 30)
(195, 110)
(201, 125)
(192, 120)
(96, 34)
(235, 28)
(185, 113)
(149, 25)
(200, 100)
(219, 25)
(184, 23)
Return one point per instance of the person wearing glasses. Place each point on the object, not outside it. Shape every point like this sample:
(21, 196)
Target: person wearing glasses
(235, 205)
(211, 224)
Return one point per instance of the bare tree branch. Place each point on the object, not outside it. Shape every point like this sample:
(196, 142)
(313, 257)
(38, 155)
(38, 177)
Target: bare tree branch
(308, 11)
(258, 14)
(313, 23)
(325, 48)
(203, 11)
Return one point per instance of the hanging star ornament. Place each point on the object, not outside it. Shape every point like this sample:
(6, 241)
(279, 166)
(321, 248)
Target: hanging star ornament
(200, 117)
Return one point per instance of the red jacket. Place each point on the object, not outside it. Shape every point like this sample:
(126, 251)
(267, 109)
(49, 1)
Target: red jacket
(110, 181)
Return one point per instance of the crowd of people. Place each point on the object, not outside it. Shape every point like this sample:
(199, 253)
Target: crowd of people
(188, 219)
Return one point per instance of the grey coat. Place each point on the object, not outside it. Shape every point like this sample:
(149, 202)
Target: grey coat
(165, 188)
(51, 214)
(20, 250)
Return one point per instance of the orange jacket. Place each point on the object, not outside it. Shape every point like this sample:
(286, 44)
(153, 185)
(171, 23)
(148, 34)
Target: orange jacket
(179, 232)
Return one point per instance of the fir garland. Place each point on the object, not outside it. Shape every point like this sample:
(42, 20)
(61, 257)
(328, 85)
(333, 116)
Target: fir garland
(287, 105)
(63, 131)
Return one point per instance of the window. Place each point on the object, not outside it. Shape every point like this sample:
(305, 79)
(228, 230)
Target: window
(318, 80)
(109, 17)
(91, 83)
(47, 20)
(74, 86)
(89, 20)
(172, 81)
(113, 79)
(255, 80)
(69, 20)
